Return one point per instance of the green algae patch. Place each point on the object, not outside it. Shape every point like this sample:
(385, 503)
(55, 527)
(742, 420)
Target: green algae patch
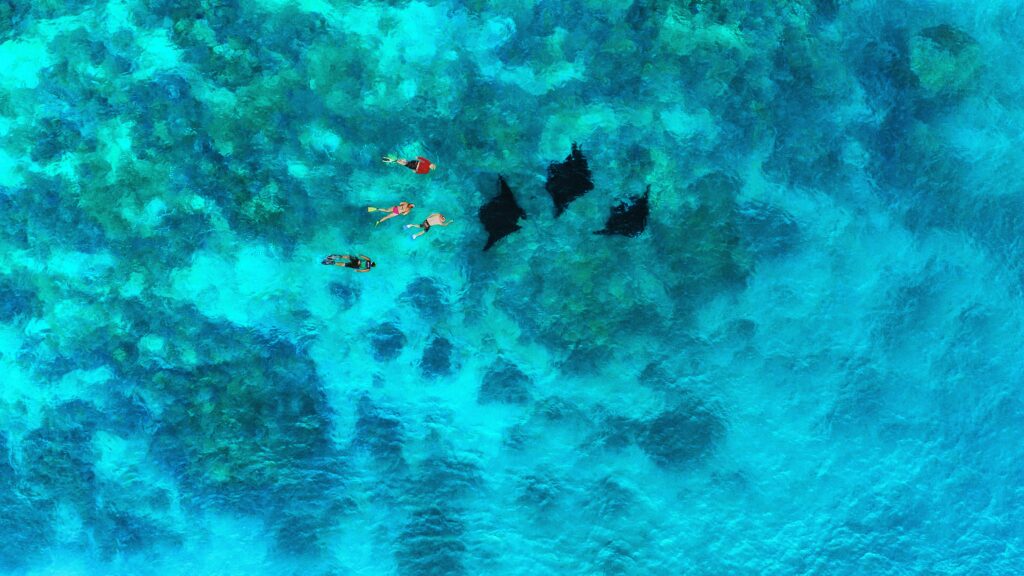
(244, 424)
(264, 206)
(708, 253)
(946, 60)
(133, 201)
(561, 130)
(682, 34)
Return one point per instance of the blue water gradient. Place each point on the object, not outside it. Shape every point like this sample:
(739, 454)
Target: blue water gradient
(807, 362)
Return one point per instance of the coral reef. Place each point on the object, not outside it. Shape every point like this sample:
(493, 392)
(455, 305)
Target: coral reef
(818, 292)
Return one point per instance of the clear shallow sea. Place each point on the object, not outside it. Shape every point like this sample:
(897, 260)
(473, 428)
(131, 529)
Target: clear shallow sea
(808, 363)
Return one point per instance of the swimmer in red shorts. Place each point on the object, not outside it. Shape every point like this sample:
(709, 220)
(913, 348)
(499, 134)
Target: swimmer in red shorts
(420, 165)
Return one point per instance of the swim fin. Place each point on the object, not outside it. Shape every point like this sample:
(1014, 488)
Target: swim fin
(371, 209)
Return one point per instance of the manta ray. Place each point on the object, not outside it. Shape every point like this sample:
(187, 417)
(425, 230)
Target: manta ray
(568, 180)
(500, 216)
(629, 218)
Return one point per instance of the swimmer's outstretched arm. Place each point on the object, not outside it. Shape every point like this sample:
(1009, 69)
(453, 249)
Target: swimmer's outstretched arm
(342, 257)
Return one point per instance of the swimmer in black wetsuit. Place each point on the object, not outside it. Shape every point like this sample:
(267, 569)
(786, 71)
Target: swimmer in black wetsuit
(359, 263)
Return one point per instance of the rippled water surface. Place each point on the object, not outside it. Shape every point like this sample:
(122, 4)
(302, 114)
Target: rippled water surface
(802, 358)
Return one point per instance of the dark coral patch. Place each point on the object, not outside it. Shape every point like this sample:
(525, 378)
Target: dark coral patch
(426, 296)
(681, 435)
(346, 294)
(14, 301)
(539, 492)
(437, 358)
(504, 383)
(446, 479)
(431, 544)
(379, 431)
(387, 342)
(949, 38)
(767, 230)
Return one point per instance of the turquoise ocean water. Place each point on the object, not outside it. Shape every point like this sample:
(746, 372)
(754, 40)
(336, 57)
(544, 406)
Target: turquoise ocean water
(807, 363)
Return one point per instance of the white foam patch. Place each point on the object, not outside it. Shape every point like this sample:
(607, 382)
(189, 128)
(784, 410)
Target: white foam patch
(23, 60)
(691, 127)
(159, 53)
(9, 170)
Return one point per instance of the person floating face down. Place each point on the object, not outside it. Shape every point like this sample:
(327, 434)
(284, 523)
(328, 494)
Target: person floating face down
(402, 209)
(358, 263)
(434, 219)
(420, 165)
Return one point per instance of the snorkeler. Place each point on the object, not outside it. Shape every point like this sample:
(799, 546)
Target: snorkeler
(359, 263)
(402, 209)
(434, 219)
(420, 165)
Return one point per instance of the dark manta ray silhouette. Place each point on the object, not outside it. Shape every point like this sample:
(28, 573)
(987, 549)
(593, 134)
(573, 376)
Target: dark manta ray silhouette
(500, 216)
(568, 180)
(629, 219)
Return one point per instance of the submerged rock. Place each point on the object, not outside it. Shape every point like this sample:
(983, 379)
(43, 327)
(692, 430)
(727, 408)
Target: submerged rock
(31, 517)
(424, 295)
(827, 9)
(14, 301)
(346, 294)
(716, 10)
(500, 216)
(568, 180)
(437, 359)
(447, 478)
(539, 491)
(617, 432)
(58, 457)
(387, 342)
(707, 252)
(945, 60)
(681, 435)
(765, 229)
(116, 531)
(431, 544)
(250, 416)
(629, 218)
(506, 383)
(609, 498)
(615, 559)
(379, 431)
